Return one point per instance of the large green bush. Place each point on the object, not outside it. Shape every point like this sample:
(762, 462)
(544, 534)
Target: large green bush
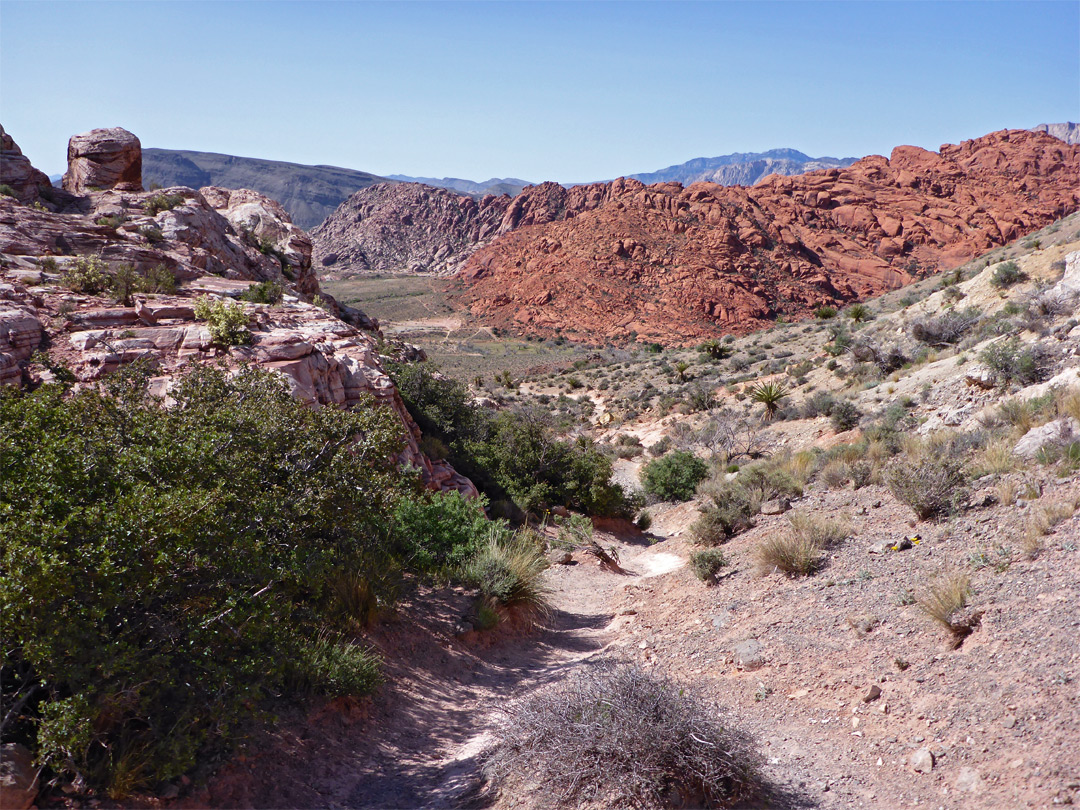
(675, 476)
(515, 454)
(437, 530)
(162, 570)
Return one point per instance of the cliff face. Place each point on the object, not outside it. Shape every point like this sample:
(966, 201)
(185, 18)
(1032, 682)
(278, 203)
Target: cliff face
(677, 264)
(216, 242)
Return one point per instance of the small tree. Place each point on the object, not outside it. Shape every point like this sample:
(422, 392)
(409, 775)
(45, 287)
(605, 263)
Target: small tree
(226, 320)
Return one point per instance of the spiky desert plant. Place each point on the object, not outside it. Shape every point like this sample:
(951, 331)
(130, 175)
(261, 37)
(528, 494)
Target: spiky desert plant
(770, 395)
(859, 313)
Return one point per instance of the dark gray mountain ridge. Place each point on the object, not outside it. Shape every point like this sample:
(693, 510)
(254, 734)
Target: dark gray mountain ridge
(309, 193)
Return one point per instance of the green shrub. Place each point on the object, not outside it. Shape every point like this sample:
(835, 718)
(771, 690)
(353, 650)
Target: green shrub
(436, 530)
(675, 476)
(159, 279)
(844, 415)
(86, 275)
(613, 735)
(820, 403)
(1006, 274)
(110, 222)
(152, 234)
(930, 484)
(125, 282)
(1010, 360)
(7, 191)
(157, 203)
(226, 320)
(706, 564)
(331, 665)
(825, 313)
(164, 568)
(514, 454)
(265, 292)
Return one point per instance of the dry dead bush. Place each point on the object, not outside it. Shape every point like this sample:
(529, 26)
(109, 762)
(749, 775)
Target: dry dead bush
(615, 735)
(931, 484)
(835, 474)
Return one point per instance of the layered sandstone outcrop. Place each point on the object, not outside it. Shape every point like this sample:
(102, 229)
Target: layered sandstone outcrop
(103, 159)
(215, 242)
(663, 262)
(16, 173)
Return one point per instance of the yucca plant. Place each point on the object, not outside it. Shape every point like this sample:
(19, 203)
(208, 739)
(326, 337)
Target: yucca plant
(770, 395)
(859, 313)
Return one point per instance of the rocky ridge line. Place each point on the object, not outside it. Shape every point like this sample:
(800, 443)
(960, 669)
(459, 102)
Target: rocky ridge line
(623, 260)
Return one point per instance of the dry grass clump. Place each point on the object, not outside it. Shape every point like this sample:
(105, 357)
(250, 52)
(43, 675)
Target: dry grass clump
(825, 532)
(944, 601)
(835, 474)
(1006, 492)
(799, 550)
(997, 458)
(1043, 520)
(509, 571)
(790, 553)
(1067, 402)
(619, 736)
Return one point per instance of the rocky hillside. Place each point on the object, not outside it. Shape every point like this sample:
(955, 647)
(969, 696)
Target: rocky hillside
(102, 274)
(622, 260)
(308, 193)
(742, 168)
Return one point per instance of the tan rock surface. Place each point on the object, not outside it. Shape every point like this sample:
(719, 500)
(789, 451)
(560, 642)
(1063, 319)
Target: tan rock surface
(102, 159)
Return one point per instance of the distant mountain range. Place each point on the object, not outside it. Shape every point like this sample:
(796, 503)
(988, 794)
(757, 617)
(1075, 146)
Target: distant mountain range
(311, 193)
(1068, 132)
(511, 186)
(742, 168)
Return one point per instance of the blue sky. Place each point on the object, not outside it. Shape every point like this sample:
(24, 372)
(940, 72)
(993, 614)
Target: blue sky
(564, 91)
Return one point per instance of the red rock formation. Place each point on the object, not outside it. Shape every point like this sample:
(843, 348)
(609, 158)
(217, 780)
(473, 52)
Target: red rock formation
(675, 265)
(102, 159)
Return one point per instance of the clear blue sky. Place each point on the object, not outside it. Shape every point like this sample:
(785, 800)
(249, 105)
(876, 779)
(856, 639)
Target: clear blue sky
(565, 91)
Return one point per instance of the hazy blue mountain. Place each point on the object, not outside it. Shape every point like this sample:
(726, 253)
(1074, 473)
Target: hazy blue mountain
(496, 185)
(741, 168)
